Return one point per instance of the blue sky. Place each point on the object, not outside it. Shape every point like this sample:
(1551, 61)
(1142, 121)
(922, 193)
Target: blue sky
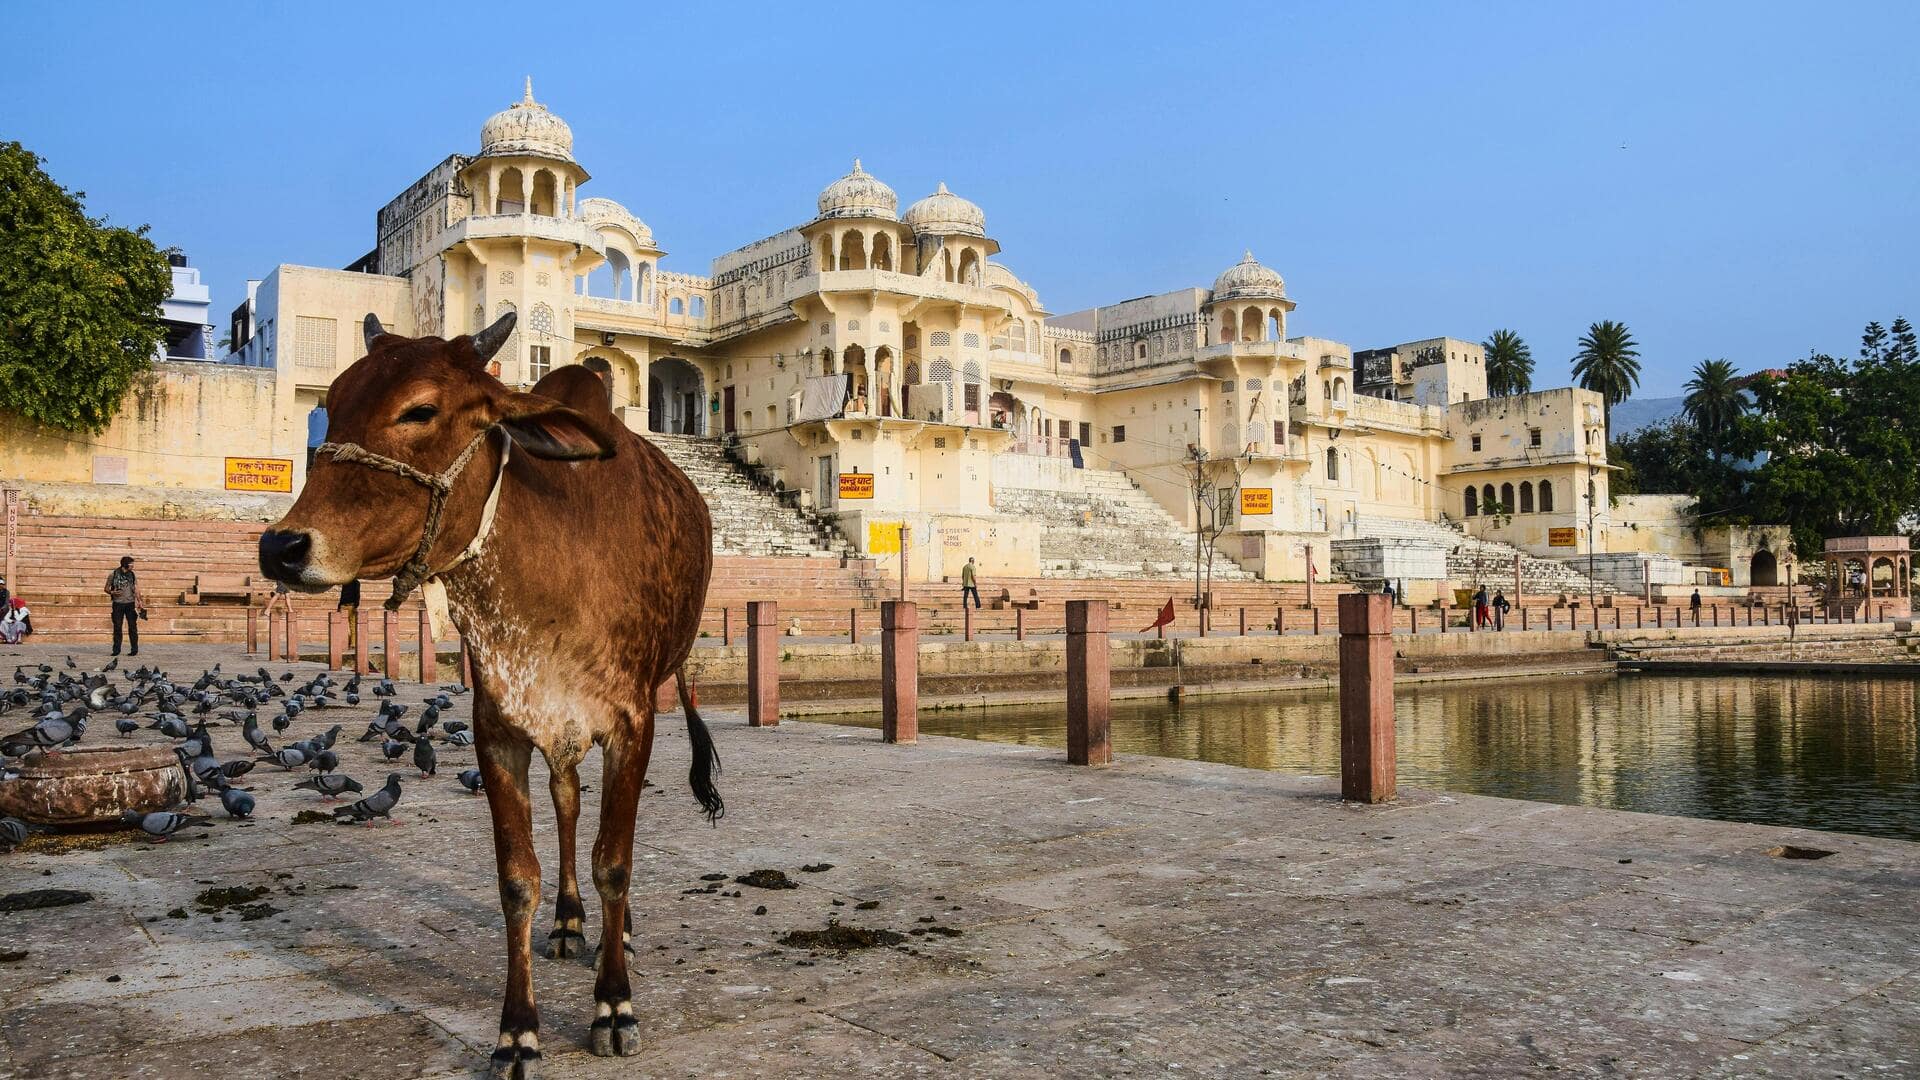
(1738, 180)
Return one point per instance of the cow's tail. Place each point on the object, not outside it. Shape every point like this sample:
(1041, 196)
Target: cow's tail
(706, 760)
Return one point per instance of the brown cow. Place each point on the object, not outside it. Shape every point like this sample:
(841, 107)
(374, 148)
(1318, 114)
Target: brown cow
(575, 558)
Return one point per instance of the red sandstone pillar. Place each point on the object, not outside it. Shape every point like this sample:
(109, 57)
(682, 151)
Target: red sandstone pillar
(389, 638)
(899, 671)
(1524, 619)
(1203, 622)
(362, 645)
(1646, 581)
(1617, 616)
(853, 626)
(1518, 595)
(1639, 618)
(966, 621)
(1019, 624)
(726, 626)
(763, 663)
(1660, 618)
(1243, 622)
(466, 665)
(1089, 684)
(253, 630)
(336, 640)
(1279, 621)
(1366, 699)
(289, 646)
(1316, 620)
(429, 662)
(1413, 620)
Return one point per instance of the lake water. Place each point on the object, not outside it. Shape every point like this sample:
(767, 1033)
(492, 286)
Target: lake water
(1826, 752)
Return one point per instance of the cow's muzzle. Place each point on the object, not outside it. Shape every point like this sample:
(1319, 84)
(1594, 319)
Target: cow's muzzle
(284, 555)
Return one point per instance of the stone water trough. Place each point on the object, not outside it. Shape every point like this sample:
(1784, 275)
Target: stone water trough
(94, 786)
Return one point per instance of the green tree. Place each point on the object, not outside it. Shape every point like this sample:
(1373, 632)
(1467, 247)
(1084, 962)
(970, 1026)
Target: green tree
(79, 301)
(1714, 400)
(1659, 459)
(1608, 363)
(1509, 364)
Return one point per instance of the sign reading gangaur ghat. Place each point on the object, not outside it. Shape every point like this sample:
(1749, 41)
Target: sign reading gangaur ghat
(854, 485)
(1256, 501)
(260, 474)
(1563, 538)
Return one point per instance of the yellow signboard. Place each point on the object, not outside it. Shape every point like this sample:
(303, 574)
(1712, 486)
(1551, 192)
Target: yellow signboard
(856, 485)
(1563, 538)
(260, 474)
(883, 537)
(1256, 501)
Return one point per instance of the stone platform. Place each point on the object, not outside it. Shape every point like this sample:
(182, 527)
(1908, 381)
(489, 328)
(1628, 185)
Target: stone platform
(1152, 917)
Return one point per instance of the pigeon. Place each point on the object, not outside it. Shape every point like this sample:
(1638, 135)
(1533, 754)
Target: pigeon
(428, 717)
(250, 731)
(424, 758)
(470, 779)
(332, 785)
(393, 748)
(111, 664)
(325, 761)
(236, 802)
(454, 727)
(172, 725)
(384, 689)
(164, 823)
(462, 737)
(13, 832)
(126, 726)
(281, 723)
(235, 769)
(290, 757)
(54, 729)
(377, 805)
(325, 739)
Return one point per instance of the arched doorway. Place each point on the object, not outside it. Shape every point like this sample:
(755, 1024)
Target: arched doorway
(1765, 569)
(675, 393)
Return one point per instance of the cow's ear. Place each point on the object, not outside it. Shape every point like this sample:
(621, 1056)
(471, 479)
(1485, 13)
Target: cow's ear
(547, 429)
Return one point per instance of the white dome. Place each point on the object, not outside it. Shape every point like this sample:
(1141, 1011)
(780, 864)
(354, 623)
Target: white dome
(526, 127)
(945, 214)
(597, 211)
(1247, 279)
(858, 194)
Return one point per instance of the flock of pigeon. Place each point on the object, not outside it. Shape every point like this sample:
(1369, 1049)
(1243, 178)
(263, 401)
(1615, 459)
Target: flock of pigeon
(60, 704)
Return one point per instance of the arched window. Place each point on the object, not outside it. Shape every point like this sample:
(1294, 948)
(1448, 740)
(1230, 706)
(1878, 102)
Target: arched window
(826, 362)
(1526, 496)
(1506, 497)
(1226, 327)
(1273, 325)
(1066, 356)
(911, 374)
(1333, 464)
(1486, 498)
(512, 196)
(697, 307)
(882, 252)
(1546, 496)
(676, 307)
(1339, 391)
(1473, 503)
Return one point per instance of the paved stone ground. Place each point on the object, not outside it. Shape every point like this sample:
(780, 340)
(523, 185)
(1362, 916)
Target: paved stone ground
(1153, 917)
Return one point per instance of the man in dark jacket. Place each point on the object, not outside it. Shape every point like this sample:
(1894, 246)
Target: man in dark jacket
(128, 606)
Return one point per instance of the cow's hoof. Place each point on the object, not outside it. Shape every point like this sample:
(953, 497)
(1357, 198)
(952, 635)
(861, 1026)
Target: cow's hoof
(516, 1056)
(615, 1033)
(563, 943)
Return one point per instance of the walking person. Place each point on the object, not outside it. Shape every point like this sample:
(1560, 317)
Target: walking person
(969, 584)
(1481, 616)
(1501, 606)
(1695, 605)
(128, 606)
(1386, 589)
(350, 607)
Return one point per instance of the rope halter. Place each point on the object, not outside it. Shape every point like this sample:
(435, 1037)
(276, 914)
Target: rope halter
(438, 486)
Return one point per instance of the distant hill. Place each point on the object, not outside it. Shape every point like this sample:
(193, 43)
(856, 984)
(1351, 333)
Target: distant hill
(1635, 413)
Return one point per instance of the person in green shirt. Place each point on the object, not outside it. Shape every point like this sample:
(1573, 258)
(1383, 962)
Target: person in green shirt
(969, 584)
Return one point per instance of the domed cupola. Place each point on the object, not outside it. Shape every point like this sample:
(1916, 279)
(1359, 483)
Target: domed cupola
(526, 128)
(1248, 280)
(858, 195)
(945, 214)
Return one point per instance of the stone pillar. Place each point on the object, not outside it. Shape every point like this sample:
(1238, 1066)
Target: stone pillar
(1413, 620)
(466, 665)
(763, 663)
(429, 662)
(362, 644)
(336, 640)
(289, 642)
(1659, 618)
(1639, 618)
(899, 671)
(389, 639)
(1316, 620)
(1089, 684)
(1279, 622)
(1646, 581)
(966, 620)
(1524, 618)
(1518, 593)
(726, 626)
(1203, 622)
(1243, 622)
(1366, 699)
(853, 626)
(253, 630)
(1019, 624)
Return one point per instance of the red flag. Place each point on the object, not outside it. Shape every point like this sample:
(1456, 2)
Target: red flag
(1165, 617)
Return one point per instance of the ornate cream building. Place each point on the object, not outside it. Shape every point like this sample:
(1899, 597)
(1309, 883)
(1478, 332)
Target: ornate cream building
(899, 345)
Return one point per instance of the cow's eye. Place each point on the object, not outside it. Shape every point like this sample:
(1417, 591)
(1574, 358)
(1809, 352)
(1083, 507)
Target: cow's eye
(419, 414)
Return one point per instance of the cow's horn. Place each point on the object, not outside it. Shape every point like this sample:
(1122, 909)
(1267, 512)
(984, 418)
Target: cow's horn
(373, 328)
(488, 341)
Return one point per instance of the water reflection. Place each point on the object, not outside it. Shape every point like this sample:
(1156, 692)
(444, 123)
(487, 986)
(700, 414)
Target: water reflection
(1820, 752)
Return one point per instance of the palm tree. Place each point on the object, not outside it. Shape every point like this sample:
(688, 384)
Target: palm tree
(1714, 399)
(1509, 364)
(1608, 364)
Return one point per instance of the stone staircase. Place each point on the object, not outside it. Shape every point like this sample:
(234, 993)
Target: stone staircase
(1471, 560)
(748, 519)
(1110, 529)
